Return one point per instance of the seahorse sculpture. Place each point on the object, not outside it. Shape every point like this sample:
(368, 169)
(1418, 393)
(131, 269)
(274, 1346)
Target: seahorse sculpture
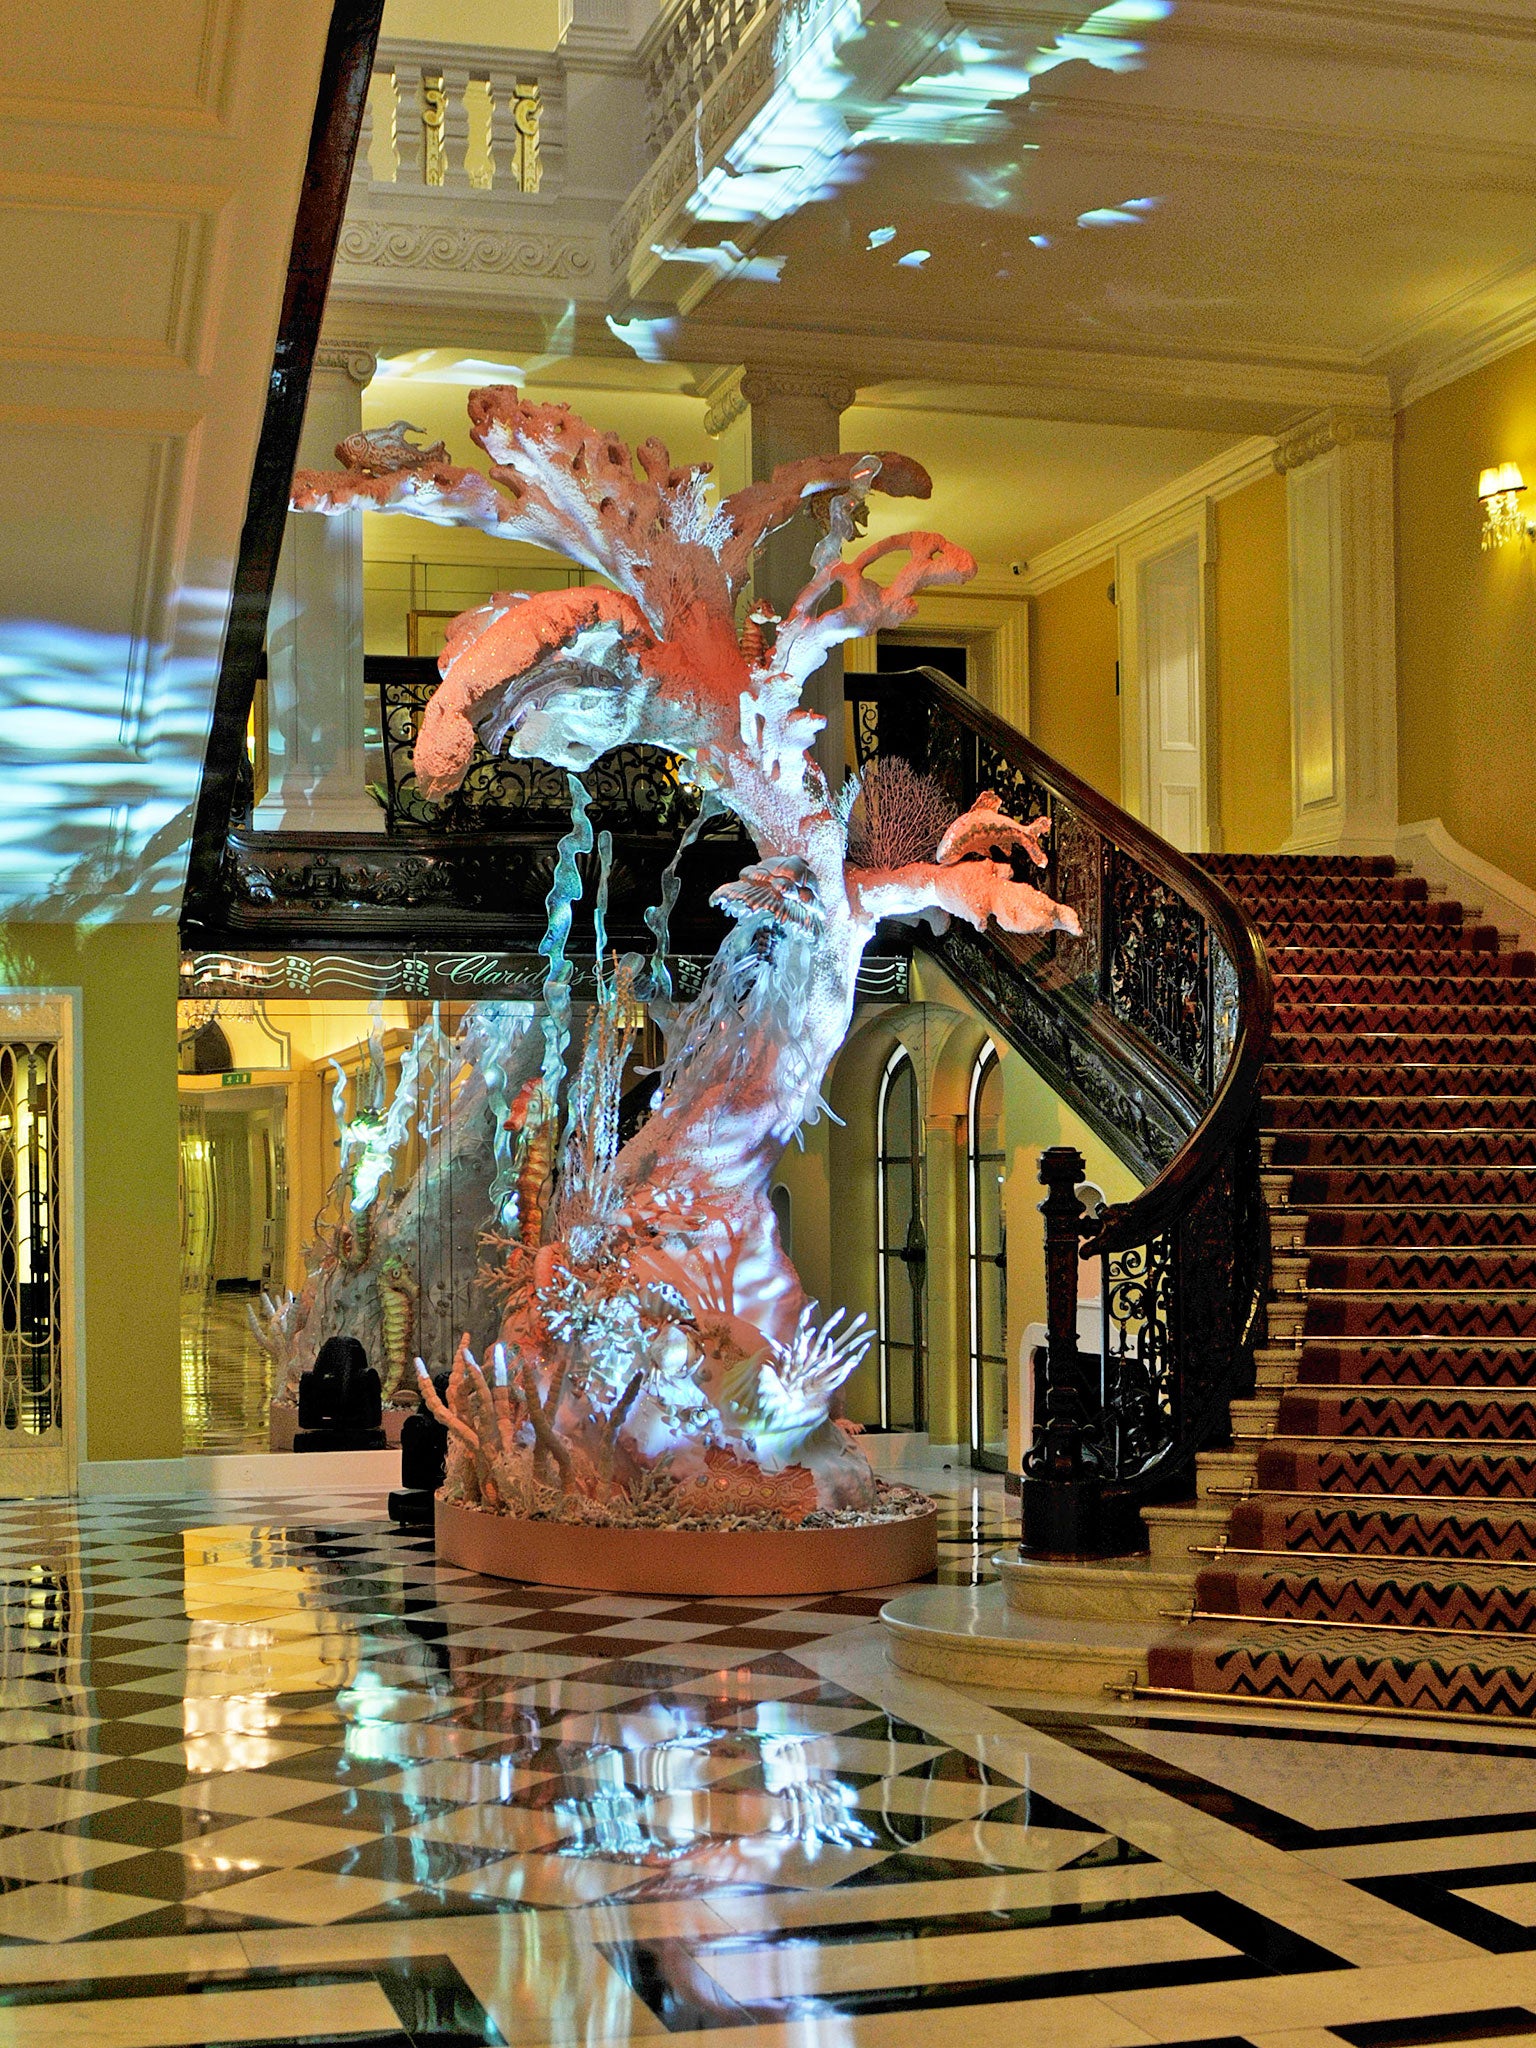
(398, 1296)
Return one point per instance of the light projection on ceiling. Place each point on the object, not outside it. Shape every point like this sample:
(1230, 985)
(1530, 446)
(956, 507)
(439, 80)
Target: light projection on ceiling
(848, 77)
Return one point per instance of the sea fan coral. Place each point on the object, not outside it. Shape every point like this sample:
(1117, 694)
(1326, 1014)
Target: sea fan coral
(899, 816)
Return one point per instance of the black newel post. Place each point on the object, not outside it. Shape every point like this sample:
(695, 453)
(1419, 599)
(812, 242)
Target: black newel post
(1062, 1512)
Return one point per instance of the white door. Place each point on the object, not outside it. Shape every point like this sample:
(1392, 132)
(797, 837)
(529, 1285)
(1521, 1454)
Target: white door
(1169, 609)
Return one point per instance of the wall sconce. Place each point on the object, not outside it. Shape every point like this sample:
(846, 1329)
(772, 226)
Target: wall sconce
(1499, 490)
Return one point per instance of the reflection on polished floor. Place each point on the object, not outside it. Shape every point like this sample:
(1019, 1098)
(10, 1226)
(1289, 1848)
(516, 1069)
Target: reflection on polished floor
(226, 1377)
(269, 1773)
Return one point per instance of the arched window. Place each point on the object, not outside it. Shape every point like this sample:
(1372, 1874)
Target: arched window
(783, 1216)
(987, 1295)
(903, 1246)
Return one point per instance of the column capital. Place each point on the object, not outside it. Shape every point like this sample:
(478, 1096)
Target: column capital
(353, 358)
(761, 386)
(724, 401)
(1333, 428)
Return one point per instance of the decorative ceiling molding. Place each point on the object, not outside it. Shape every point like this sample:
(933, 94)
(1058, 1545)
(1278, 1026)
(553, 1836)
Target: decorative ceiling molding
(1377, 154)
(1335, 428)
(458, 252)
(1284, 388)
(1500, 335)
(1246, 463)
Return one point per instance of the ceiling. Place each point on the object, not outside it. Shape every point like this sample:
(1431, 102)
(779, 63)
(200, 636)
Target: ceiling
(1319, 187)
(1202, 215)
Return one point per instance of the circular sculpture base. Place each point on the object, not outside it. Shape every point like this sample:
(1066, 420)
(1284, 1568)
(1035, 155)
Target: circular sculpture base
(685, 1561)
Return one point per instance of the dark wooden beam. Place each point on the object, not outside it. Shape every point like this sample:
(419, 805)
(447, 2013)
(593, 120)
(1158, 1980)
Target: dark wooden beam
(333, 140)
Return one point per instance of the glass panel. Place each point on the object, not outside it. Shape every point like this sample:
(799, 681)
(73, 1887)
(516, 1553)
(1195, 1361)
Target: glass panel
(988, 1293)
(994, 1411)
(898, 1303)
(896, 1139)
(31, 1360)
(903, 1387)
(901, 1233)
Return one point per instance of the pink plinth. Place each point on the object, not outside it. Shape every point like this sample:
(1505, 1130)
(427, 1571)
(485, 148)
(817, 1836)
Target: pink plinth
(688, 1562)
(283, 1423)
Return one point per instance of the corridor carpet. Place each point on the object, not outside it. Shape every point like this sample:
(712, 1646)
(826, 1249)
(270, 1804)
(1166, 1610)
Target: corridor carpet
(1385, 1554)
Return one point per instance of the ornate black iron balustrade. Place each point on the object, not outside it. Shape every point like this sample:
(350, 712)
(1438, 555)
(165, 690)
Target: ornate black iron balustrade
(1154, 1026)
(635, 789)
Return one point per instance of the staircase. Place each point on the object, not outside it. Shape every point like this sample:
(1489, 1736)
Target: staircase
(1371, 1536)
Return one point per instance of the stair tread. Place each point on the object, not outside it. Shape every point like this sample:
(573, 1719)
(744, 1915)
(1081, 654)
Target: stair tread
(1398, 1114)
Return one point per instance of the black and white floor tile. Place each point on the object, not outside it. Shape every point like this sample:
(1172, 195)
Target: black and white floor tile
(268, 1773)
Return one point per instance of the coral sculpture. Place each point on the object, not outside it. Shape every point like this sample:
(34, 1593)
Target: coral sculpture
(394, 1256)
(658, 1360)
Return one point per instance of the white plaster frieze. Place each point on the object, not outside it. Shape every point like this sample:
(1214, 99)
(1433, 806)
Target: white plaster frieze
(419, 250)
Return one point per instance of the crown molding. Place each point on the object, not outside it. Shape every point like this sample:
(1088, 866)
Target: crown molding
(1500, 335)
(1281, 388)
(1246, 463)
(1377, 155)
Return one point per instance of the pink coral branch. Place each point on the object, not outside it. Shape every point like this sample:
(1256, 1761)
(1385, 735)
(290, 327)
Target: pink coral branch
(975, 890)
(806, 636)
(511, 641)
(757, 510)
(438, 491)
(577, 491)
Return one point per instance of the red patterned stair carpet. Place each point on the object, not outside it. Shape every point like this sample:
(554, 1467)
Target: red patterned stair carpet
(1386, 1554)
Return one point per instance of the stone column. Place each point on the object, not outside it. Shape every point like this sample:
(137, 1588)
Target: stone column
(790, 414)
(316, 772)
(1340, 520)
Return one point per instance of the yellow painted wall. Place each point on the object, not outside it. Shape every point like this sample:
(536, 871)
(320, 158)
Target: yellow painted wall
(456, 568)
(127, 976)
(1466, 621)
(1252, 667)
(1074, 713)
(1034, 1117)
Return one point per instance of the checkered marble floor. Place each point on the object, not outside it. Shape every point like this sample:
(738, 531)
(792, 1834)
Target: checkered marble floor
(269, 1773)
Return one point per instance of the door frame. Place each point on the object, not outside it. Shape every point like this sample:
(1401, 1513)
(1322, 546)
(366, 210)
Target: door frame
(1133, 557)
(992, 628)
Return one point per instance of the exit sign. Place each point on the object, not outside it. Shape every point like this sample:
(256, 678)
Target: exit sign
(238, 1077)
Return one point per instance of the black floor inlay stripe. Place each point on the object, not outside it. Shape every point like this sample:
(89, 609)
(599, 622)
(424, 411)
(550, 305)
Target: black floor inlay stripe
(1100, 1741)
(1491, 2024)
(430, 1998)
(1431, 1896)
(673, 1977)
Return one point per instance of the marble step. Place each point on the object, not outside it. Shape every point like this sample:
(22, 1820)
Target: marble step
(1256, 1416)
(1114, 1590)
(1287, 1230)
(1218, 1473)
(1286, 1316)
(969, 1635)
(1276, 1369)
(1177, 1529)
